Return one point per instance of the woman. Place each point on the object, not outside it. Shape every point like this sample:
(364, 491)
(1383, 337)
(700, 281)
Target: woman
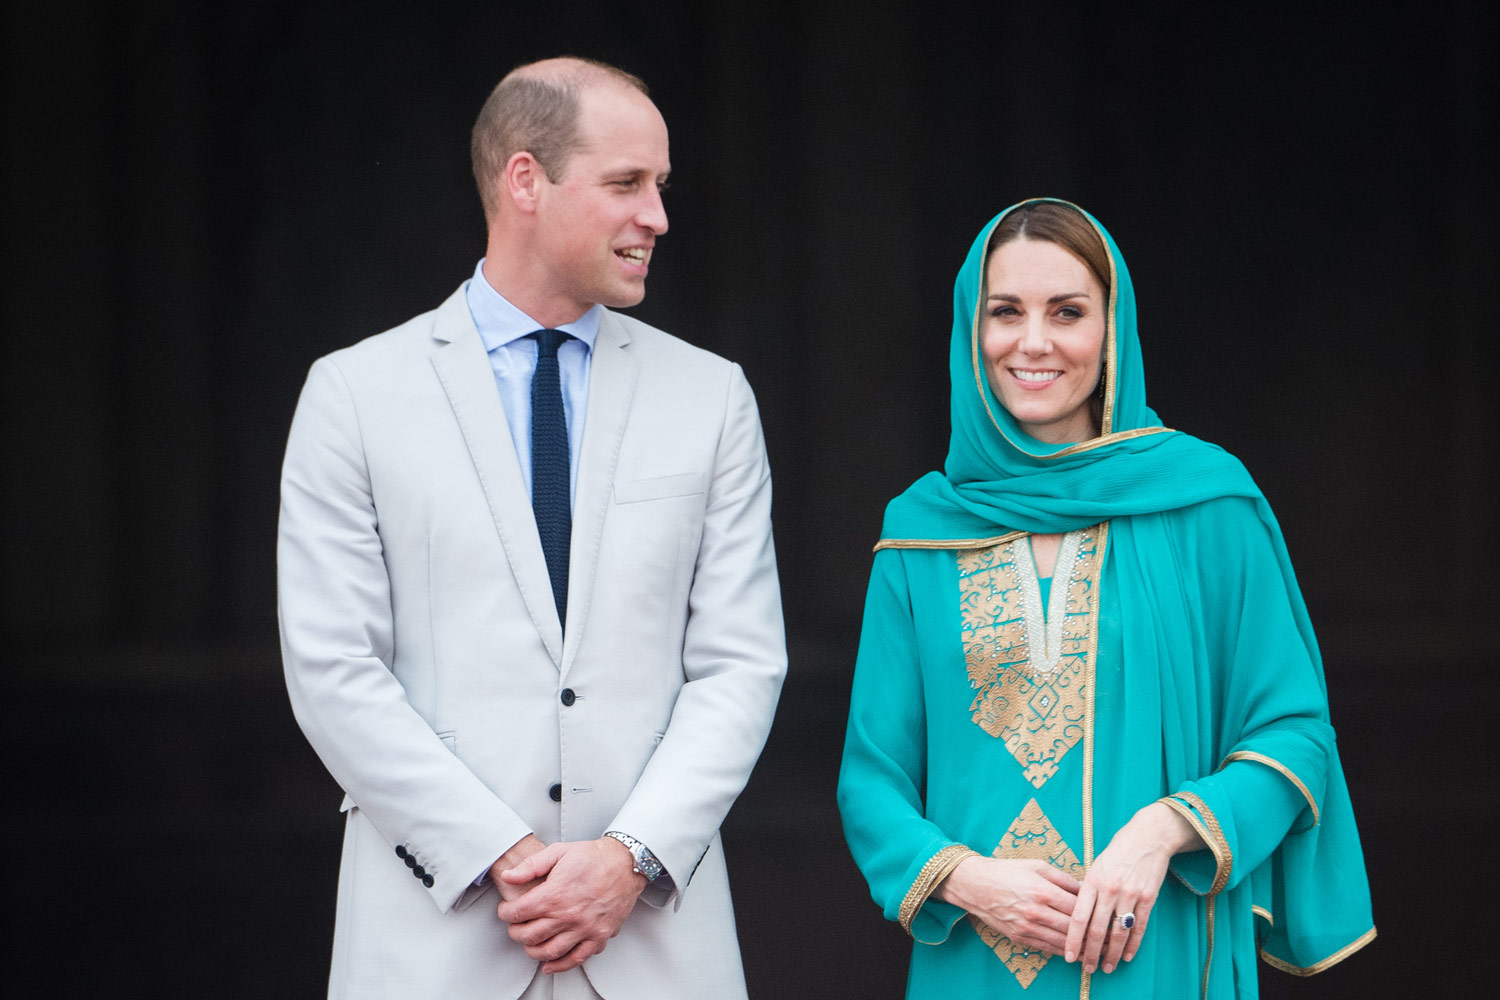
(1087, 633)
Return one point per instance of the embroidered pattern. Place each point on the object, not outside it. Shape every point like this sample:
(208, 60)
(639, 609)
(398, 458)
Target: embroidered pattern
(1031, 836)
(1030, 680)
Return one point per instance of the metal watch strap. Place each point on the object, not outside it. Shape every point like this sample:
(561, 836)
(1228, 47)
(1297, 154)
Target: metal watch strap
(646, 863)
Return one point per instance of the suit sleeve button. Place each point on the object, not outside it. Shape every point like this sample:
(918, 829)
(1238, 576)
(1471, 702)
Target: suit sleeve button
(568, 697)
(555, 792)
(427, 881)
(419, 872)
(411, 862)
(400, 850)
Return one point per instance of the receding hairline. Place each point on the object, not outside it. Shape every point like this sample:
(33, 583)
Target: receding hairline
(577, 74)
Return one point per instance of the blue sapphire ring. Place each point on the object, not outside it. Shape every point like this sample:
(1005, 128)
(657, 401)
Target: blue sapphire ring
(1125, 920)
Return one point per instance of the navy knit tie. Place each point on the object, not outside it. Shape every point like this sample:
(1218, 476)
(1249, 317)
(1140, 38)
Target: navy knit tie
(550, 499)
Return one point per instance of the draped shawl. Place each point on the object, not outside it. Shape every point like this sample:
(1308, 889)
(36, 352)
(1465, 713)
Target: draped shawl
(998, 479)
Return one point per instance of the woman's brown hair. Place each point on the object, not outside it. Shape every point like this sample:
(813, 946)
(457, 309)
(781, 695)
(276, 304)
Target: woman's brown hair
(1056, 223)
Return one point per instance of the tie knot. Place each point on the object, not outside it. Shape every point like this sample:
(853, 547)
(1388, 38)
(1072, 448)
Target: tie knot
(548, 341)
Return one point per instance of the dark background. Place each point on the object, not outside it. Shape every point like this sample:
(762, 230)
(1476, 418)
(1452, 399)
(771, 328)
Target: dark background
(201, 199)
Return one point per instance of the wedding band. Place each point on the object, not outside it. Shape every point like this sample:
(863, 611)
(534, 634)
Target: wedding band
(1125, 920)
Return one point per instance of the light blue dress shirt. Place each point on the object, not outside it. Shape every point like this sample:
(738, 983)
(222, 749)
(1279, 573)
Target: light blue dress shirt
(503, 328)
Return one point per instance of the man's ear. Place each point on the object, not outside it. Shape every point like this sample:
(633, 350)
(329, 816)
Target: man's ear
(522, 181)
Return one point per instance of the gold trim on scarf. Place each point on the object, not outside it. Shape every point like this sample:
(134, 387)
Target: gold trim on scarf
(937, 868)
(1208, 959)
(1320, 966)
(1091, 672)
(1031, 837)
(1263, 913)
(1086, 980)
(1035, 700)
(940, 543)
(1277, 765)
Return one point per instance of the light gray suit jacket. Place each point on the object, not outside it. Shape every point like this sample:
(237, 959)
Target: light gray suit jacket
(426, 663)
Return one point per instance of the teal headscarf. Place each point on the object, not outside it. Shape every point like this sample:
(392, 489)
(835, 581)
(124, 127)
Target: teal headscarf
(998, 480)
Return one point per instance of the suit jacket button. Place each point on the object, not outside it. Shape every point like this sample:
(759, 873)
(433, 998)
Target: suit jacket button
(400, 850)
(427, 881)
(556, 792)
(568, 697)
(411, 862)
(419, 872)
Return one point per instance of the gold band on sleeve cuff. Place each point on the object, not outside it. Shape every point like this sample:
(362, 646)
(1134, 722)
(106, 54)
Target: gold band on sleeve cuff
(937, 868)
(1317, 967)
(1191, 807)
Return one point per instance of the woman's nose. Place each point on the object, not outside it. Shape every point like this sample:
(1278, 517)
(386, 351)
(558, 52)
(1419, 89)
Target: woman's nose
(1034, 339)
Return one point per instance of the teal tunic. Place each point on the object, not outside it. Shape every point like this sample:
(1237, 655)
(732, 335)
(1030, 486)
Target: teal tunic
(1190, 672)
(919, 774)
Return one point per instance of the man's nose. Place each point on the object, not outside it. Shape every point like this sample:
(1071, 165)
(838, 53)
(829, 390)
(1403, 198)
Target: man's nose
(653, 213)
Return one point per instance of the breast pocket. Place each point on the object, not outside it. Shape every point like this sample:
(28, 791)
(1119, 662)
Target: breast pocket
(685, 484)
(650, 548)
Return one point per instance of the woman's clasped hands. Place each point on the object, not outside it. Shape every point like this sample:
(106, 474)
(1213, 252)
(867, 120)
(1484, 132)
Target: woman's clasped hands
(1042, 907)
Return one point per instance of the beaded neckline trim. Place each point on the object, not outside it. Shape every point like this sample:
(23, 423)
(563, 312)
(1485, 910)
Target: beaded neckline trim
(1044, 634)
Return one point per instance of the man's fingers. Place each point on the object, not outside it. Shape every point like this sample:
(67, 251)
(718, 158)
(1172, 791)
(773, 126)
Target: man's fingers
(555, 947)
(536, 932)
(574, 958)
(536, 903)
(535, 867)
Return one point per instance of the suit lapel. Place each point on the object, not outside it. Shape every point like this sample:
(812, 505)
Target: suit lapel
(612, 378)
(464, 371)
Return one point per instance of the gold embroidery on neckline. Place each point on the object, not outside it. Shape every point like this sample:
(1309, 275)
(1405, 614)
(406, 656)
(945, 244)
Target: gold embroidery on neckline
(1038, 709)
(1031, 836)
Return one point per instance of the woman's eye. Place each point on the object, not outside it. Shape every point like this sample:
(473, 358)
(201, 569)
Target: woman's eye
(1004, 311)
(1070, 312)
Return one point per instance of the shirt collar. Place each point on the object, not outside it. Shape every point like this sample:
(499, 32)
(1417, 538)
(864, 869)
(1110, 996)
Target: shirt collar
(500, 322)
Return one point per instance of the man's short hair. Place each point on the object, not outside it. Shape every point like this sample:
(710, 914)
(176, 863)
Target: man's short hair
(535, 111)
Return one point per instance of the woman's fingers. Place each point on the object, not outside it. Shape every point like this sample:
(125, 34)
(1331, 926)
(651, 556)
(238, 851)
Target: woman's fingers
(1119, 936)
(1043, 939)
(1098, 933)
(1058, 877)
(1083, 909)
(1142, 916)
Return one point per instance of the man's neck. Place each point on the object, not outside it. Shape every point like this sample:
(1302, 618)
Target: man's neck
(504, 277)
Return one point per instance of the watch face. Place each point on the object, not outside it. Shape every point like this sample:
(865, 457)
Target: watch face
(650, 867)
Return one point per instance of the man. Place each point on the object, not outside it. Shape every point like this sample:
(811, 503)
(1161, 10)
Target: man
(529, 608)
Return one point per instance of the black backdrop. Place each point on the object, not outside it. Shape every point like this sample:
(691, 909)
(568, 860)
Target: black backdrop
(200, 199)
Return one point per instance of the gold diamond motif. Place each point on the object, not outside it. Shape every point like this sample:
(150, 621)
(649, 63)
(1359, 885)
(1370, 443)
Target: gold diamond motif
(1031, 836)
(1039, 720)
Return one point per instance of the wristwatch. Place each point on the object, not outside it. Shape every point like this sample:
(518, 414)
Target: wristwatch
(645, 862)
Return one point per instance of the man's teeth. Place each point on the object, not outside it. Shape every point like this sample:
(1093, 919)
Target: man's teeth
(633, 255)
(1025, 376)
